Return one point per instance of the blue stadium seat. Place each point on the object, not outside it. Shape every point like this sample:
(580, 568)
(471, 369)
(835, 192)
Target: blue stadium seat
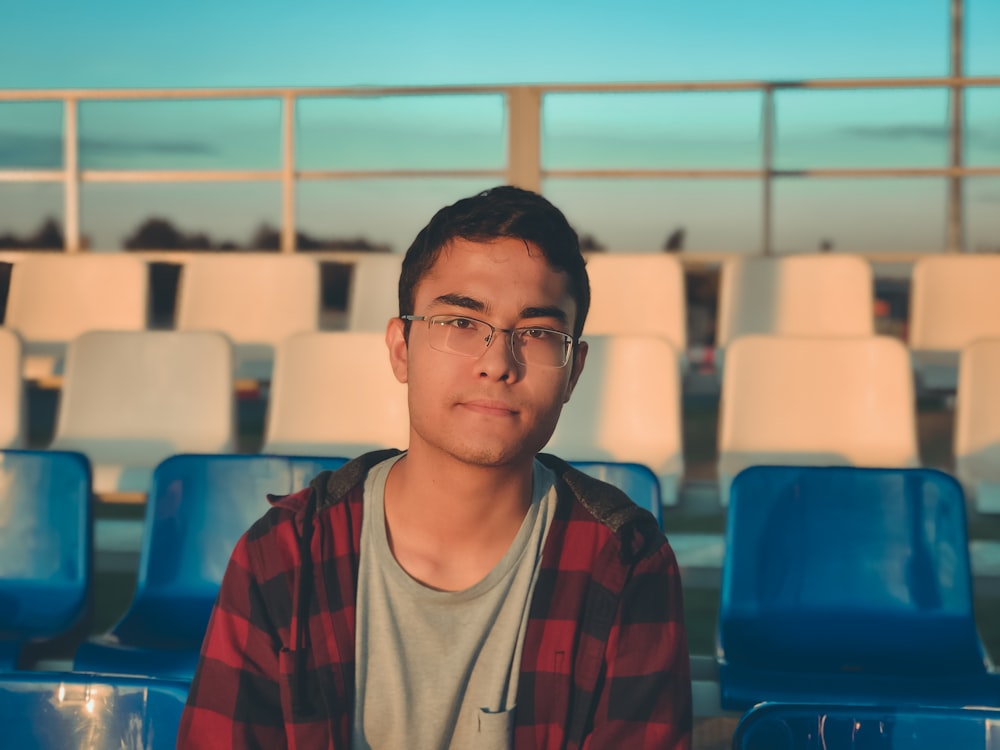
(849, 585)
(46, 548)
(781, 726)
(637, 481)
(66, 711)
(198, 508)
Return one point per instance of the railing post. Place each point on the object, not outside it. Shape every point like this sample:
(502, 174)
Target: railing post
(767, 164)
(288, 173)
(956, 228)
(524, 138)
(71, 176)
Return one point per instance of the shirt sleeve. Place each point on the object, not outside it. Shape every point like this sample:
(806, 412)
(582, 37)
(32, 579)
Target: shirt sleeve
(645, 698)
(234, 700)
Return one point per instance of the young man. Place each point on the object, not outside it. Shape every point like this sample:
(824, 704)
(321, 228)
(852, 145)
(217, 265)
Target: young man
(468, 593)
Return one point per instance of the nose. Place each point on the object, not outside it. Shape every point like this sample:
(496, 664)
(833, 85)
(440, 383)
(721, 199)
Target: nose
(498, 362)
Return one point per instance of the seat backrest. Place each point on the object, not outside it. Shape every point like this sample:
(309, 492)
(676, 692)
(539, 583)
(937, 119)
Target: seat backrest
(53, 298)
(797, 295)
(253, 298)
(954, 301)
(786, 400)
(977, 413)
(334, 394)
(199, 507)
(635, 480)
(12, 410)
(844, 570)
(160, 391)
(65, 710)
(626, 408)
(373, 297)
(804, 726)
(637, 293)
(45, 543)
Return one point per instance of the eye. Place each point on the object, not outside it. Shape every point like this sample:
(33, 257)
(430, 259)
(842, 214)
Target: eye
(462, 324)
(537, 334)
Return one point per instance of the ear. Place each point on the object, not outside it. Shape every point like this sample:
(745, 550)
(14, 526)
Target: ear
(576, 367)
(395, 341)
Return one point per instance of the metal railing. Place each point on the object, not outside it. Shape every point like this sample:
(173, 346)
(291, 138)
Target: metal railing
(524, 164)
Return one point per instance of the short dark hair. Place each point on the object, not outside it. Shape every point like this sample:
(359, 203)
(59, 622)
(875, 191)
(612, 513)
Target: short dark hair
(497, 213)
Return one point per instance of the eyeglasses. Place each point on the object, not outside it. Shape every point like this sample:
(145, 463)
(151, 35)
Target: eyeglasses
(468, 337)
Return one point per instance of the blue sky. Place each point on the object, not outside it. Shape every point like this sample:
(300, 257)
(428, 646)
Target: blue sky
(118, 44)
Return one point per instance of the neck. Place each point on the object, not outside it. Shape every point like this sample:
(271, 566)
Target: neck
(448, 526)
(456, 497)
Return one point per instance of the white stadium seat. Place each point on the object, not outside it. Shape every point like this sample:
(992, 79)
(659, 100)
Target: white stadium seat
(53, 298)
(256, 299)
(977, 423)
(953, 302)
(816, 401)
(334, 394)
(131, 399)
(626, 408)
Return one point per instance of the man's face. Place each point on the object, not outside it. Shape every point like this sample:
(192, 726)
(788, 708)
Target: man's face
(487, 410)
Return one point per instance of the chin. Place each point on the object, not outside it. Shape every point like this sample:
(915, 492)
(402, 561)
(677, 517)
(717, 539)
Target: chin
(489, 455)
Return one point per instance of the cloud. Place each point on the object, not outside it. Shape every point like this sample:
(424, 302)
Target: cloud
(32, 150)
(979, 137)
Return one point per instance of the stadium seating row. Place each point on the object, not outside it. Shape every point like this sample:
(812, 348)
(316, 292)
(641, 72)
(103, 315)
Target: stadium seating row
(260, 299)
(62, 711)
(198, 507)
(901, 634)
(132, 398)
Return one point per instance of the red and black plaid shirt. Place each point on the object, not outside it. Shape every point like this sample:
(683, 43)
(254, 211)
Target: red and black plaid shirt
(605, 659)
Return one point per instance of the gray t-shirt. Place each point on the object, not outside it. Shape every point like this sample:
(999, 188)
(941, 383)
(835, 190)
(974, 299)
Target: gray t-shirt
(439, 669)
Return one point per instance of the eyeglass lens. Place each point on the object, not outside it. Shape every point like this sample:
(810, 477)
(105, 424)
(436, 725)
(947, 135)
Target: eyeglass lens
(469, 337)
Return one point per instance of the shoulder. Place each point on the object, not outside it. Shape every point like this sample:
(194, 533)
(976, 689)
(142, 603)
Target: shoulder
(332, 497)
(590, 507)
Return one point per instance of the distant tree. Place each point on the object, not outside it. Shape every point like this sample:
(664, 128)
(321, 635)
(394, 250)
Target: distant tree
(156, 233)
(265, 237)
(304, 241)
(675, 240)
(590, 244)
(48, 236)
(825, 245)
(199, 241)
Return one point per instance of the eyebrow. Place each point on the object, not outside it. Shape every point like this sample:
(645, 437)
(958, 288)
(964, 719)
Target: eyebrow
(549, 311)
(460, 300)
(471, 303)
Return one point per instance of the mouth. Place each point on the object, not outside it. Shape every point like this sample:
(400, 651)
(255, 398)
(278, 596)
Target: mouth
(488, 407)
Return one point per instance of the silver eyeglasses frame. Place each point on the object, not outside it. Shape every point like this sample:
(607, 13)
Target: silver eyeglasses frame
(570, 342)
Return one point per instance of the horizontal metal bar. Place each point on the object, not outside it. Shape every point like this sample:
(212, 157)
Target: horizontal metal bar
(243, 93)
(890, 172)
(31, 175)
(233, 175)
(551, 88)
(829, 83)
(364, 174)
(758, 173)
(179, 175)
(133, 176)
(651, 173)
